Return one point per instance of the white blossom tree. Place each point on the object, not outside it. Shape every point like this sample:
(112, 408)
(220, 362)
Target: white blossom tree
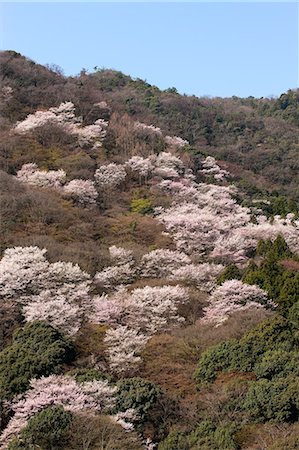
(110, 175)
(56, 311)
(30, 174)
(203, 276)
(162, 262)
(124, 345)
(81, 191)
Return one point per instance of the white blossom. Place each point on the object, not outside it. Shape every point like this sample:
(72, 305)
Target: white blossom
(30, 174)
(56, 311)
(110, 175)
(81, 191)
(142, 166)
(175, 141)
(124, 345)
(161, 263)
(120, 255)
(211, 168)
(203, 276)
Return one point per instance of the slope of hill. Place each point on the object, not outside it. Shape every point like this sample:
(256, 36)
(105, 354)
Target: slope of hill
(149, 292)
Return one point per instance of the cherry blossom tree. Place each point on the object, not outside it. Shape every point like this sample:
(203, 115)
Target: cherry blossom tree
(57, 390)
(203, 276)
(30, 174)
(81, 191)
(161, 263)
(56, 311)
(110, 176)
(168, 165)
(22, 270)
(148, 128)
(120, 255)
(111, 277)
(176, 142)
(153, 309)
(142, 167)
(124, 345)
(211, 168)
(233, 296)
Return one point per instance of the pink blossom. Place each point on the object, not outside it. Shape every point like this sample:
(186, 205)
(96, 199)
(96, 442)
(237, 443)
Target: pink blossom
(232, 296)
(161, 263)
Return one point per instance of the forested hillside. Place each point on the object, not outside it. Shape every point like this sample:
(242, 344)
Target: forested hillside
(149, 271)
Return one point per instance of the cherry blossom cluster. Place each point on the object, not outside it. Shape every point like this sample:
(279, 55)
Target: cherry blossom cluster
(123, 272)
(135, 316)
(64, 116)
(176, 142)
(211, 168)
(60, 390)
(82, 192)
(30, 174)
(50, 292)
(110, 175)
(233, 296)
(206, 220)
(143, 167)
(148, 128)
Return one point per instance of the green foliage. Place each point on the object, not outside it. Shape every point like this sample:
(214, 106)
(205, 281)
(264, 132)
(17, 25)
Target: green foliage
(45, 430)
(273, 400)
(231, 272)
(244, 355)
(206, 436)
(84, 375)
(281, 283)
(293, 316)
(137, 393)
(214, 360)
(277, 363)
(37, 349)
(177, 440)
(141, 206)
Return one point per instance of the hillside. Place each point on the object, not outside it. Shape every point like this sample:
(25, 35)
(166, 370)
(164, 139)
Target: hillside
(149, 272)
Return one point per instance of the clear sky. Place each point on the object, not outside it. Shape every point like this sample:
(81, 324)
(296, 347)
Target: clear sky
(216, 49)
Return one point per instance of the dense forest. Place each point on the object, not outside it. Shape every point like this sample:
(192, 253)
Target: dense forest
(149, 271)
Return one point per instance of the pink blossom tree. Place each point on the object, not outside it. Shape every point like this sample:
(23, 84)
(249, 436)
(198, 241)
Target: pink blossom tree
(233, 296)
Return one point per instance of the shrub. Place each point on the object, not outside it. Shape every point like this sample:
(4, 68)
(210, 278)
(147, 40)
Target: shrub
(141, 206)
(231, 272)
(44, 430)
(273, 400)
(37, 349)
(243, 355)
(84, 375)
(277, 363)
(213, 360)
(139, 394)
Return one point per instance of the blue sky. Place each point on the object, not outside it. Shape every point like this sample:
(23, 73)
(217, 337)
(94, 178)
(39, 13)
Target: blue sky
(216, 49)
